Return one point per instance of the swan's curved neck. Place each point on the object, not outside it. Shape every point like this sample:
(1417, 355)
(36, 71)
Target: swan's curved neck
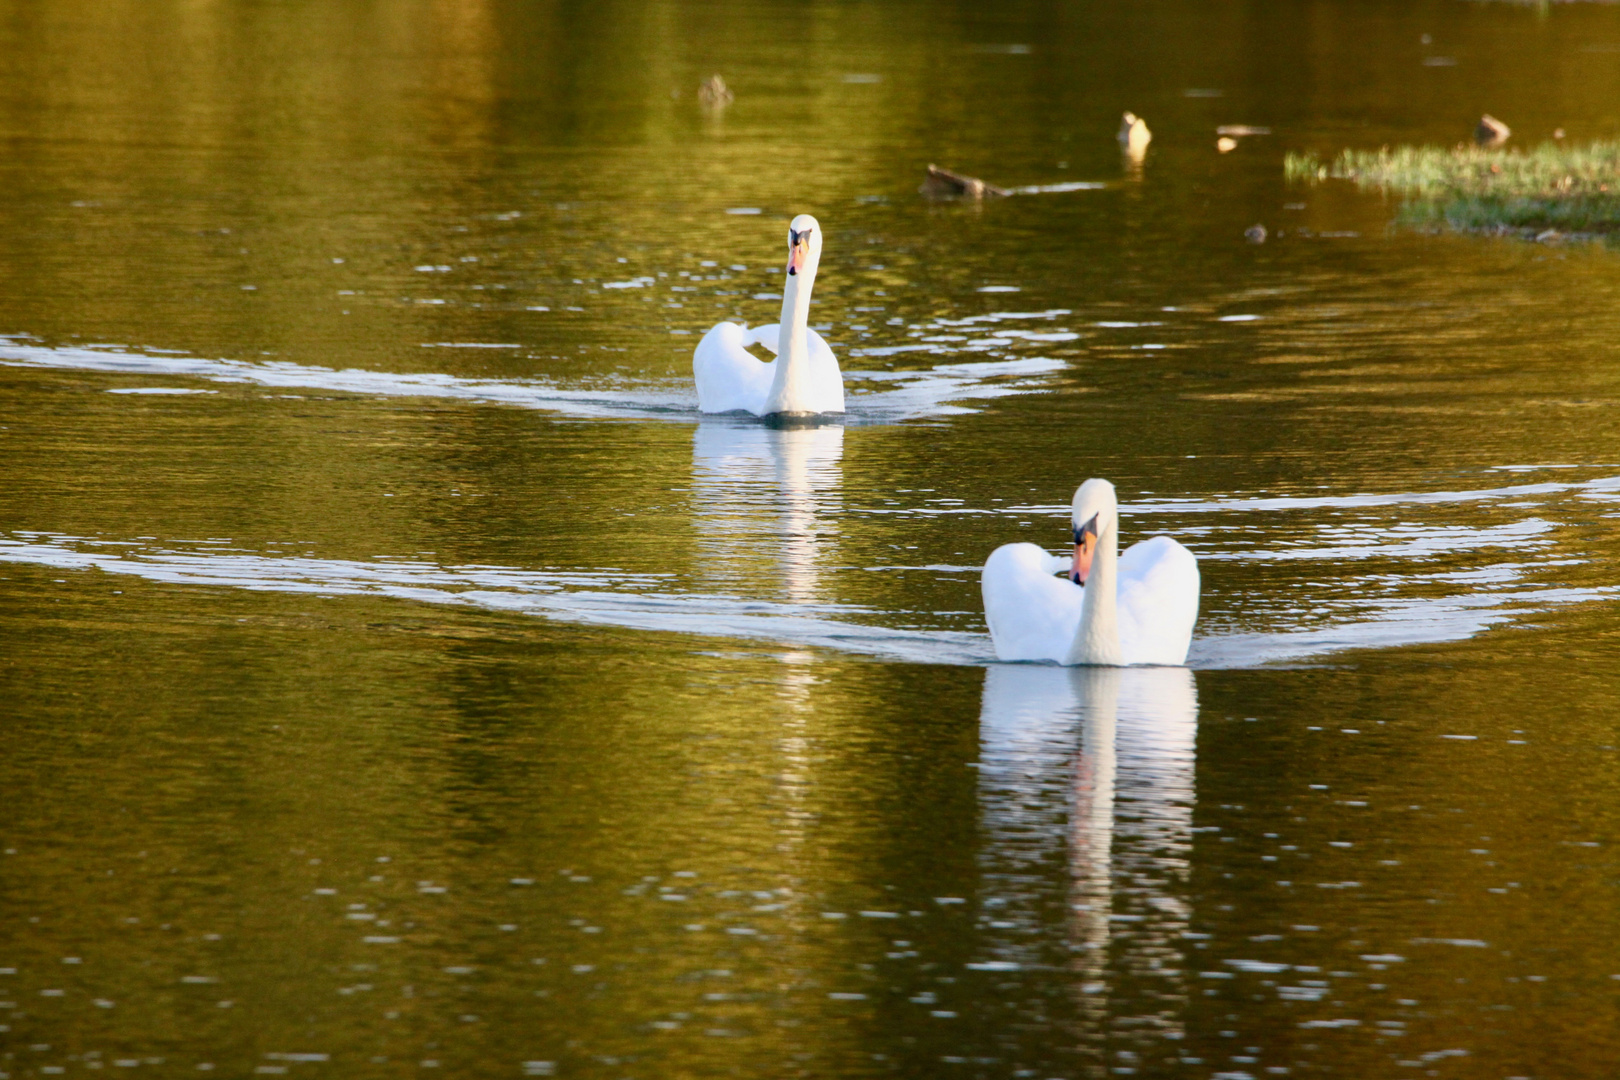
(1097, 639)
(790, 384)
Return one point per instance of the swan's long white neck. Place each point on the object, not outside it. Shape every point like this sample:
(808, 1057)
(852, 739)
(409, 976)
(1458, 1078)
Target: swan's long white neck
(790, 384)
(1097, 639)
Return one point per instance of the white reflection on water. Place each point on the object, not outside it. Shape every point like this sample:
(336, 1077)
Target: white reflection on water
(1092, 768)
(901, 395)
(766, 501)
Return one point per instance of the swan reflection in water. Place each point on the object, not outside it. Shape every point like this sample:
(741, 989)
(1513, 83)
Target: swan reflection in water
(766, 501)
(1091, 768)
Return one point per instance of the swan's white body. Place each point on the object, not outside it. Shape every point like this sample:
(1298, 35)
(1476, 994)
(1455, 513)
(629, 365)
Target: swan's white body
(731, 379)
(1135, 608)
(803, 379)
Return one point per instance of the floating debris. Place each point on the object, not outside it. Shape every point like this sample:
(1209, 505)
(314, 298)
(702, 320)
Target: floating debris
(1239, 131)
(1255, 234)
(1225, 144)
(945, 184)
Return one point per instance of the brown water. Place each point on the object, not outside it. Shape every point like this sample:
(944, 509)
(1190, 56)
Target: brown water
(400, 680)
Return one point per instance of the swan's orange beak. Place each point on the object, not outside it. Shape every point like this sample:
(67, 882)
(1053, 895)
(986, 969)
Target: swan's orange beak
(798, 250)
(1085, 546)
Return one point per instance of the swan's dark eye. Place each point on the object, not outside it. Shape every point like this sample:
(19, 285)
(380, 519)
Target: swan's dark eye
(793, 238)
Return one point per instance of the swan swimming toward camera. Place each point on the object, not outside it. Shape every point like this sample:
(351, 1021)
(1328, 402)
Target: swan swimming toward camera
(1110, 609)
(803, 379)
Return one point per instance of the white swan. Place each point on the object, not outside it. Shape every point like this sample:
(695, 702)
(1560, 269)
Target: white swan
(804, 379)
(1112, 609)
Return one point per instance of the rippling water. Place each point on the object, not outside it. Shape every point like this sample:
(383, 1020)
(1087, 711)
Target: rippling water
(402, 677)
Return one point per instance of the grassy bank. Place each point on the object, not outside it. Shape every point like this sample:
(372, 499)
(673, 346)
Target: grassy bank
(1565, 189)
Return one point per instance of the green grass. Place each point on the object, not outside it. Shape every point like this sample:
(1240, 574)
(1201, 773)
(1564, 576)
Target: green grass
(1563, 188)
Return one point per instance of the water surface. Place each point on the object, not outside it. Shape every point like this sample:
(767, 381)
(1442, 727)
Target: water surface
(402, 678)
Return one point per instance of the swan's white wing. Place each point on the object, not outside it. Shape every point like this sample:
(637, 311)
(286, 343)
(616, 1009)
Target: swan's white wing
(823, 386)
(768, 335)
(826, 380)
(728, 376)
(1032, 615)
(1158, 601)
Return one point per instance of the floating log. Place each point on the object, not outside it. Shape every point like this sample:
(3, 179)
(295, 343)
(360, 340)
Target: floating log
(945, 184)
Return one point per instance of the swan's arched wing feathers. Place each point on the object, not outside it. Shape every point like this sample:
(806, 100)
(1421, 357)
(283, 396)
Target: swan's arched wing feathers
(728, 376)
(769, 335)
(1032, 615)
(819, 349)
(826, 377)
(1158, 601)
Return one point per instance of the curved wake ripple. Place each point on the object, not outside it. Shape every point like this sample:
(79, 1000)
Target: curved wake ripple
(597, 597)
(608, 598)
(902, 395)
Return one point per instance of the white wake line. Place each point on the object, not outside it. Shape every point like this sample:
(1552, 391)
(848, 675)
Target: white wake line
(1596, 488)
(1407, 622)
(1330, 502)
(1414, 621)
(1395, 542)
(917, 394)
(526, 592)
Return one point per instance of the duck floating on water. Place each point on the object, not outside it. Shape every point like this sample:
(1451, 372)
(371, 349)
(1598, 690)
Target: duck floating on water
(714, 92)
(1134, 136)
(1491, 132)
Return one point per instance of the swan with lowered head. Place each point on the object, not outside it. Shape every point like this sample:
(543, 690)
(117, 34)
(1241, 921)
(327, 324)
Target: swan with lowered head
(1110, 609)
(803, 379)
